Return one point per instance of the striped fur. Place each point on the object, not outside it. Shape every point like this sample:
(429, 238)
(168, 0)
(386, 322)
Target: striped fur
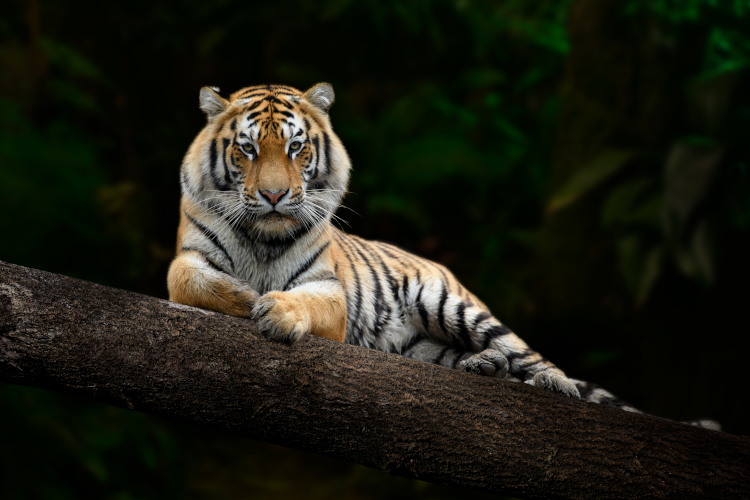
(260, 184)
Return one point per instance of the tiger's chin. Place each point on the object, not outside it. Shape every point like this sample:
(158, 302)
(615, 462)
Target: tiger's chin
(275, 225)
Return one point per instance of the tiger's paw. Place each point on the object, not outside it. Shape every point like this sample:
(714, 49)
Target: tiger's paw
(489, 362)
(555, 381)
(280, 318)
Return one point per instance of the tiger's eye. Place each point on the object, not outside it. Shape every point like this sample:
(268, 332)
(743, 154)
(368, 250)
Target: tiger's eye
(247, 148)
(294, 146)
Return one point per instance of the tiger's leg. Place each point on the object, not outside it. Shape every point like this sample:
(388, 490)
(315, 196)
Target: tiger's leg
(194, 280)
(457, 322)
(488, 362)
(316, 307)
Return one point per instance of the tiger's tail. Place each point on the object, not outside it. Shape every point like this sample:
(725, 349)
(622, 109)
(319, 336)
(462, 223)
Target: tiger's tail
(595, 394)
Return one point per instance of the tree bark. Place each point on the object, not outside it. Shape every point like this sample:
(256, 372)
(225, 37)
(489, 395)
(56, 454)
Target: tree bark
(382, 410)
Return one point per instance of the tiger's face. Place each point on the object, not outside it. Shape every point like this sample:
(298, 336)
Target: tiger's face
(276, 165)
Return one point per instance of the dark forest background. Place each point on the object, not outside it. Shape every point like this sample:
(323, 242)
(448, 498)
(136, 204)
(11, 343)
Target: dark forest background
(582, 166)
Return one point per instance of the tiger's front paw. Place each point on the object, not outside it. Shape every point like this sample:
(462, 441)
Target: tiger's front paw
(555, 381)
(279, 317)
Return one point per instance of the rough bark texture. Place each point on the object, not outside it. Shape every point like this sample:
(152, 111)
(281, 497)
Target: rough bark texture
(402, 416)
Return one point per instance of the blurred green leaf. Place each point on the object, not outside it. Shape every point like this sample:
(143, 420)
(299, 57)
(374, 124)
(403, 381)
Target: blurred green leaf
(619, 204)
(70, 60)
(641, 266)
(589, 177)
(75, 96)
(651, 270)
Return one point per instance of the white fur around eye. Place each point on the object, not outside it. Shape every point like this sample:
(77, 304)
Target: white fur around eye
(294, 152)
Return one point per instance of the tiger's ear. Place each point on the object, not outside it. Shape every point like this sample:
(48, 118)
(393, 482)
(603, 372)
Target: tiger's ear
(212, 103)
(321, 96)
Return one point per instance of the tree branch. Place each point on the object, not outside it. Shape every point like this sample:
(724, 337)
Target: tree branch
(382, 410)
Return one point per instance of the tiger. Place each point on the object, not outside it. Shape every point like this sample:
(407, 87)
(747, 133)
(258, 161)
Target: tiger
(260, 185)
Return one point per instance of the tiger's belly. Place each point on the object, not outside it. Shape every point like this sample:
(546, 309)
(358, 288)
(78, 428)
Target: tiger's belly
(381, 330)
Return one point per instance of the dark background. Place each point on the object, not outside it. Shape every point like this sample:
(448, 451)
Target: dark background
(581, 165)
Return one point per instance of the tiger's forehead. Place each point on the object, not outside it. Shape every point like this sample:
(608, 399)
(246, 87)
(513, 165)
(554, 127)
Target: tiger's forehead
(268, 111)
(263, 91)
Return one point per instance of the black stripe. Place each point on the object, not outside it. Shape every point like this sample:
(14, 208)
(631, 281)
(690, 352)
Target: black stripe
(441, 355)
(493, 333)
(525, 370)
(254, 114)
(227, 177)
(355, 328)
(518, 355)
(411, 263)
(253, 106)
(211, 263)
(382, 311)
(307, 265)
(270, 247)
(184, 182)
(285, 240)
(412, 260)
(519, 370)
(422, 311)
(214, 160)
(327, 151)
(351, 318)
(441, 306)
(233, 126)
(307, 124)
(316, 143)
(274, 100)
(456, 360)
(480, 317)
(271, 98)
(211, 236)
(286, 113)
(585, 389)
(414, 341)
(299, 132)
(392, 282)
(463, 332)
(248, 96)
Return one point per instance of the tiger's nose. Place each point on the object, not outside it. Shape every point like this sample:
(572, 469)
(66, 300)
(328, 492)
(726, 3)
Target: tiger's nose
(273, 197)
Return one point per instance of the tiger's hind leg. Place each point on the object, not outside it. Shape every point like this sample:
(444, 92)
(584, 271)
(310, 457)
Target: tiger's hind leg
(457, 322)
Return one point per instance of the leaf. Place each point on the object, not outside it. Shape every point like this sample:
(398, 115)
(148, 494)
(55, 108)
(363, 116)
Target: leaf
(589, 177)
(69, 60)
(648, 213)
(651, 270)
(640, 268)
(629, 252)
(621, 200)
(696, 258)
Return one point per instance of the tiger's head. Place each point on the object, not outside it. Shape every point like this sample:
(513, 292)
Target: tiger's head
(268, 161)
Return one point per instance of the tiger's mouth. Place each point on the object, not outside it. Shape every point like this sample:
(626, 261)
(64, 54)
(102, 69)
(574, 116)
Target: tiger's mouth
(276, 216)
(276, 223)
